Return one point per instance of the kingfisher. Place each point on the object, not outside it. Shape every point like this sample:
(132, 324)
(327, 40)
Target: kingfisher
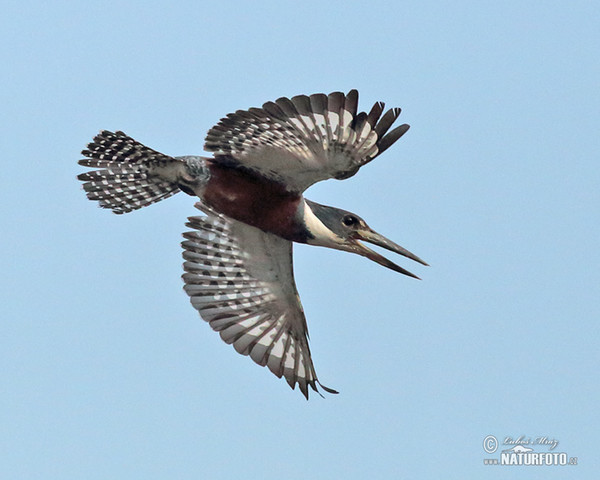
(238, 269)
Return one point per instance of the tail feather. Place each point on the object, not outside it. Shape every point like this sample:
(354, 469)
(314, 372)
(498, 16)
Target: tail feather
(128, 178)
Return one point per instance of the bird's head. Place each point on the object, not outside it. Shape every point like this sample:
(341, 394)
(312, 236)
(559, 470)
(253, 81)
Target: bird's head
(343, 230)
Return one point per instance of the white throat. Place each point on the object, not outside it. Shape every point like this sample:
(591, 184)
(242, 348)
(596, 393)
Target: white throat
(322, 235)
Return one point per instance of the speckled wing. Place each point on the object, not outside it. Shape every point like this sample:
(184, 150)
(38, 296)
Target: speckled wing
(241, 281)
(305, 139)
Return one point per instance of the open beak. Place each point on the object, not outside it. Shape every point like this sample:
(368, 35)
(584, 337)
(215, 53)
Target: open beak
(375, 238)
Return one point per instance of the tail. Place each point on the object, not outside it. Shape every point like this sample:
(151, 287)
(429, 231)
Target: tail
(131, 175)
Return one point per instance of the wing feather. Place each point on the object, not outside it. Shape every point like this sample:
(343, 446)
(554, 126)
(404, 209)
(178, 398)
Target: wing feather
(388, 140)
(303, 140)
(240, 279)
(386, 121)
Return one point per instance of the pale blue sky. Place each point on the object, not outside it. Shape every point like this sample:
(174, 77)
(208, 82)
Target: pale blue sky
(108, 372)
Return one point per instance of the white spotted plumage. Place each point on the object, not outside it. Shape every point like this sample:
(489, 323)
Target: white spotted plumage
(126, 181)
(305, 139)
(240, 280)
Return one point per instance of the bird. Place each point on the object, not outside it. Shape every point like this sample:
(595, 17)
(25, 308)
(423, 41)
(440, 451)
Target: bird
(238, 269)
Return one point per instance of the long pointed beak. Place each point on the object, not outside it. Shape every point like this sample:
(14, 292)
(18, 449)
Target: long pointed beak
(375, 238)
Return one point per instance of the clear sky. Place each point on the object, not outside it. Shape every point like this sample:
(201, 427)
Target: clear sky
(107, 371)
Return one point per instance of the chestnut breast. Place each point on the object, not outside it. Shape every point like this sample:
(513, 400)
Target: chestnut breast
(254, 200)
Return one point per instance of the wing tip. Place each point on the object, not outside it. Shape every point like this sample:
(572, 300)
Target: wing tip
(314, 385)
(387, 140)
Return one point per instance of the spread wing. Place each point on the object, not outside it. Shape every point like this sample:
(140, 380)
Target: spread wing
(305, 139)
(241, 281)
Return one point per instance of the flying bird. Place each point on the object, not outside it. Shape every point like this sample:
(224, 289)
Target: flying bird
(238, 257)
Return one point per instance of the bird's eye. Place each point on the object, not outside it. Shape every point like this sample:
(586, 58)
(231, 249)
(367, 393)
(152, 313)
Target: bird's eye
(349, 220)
